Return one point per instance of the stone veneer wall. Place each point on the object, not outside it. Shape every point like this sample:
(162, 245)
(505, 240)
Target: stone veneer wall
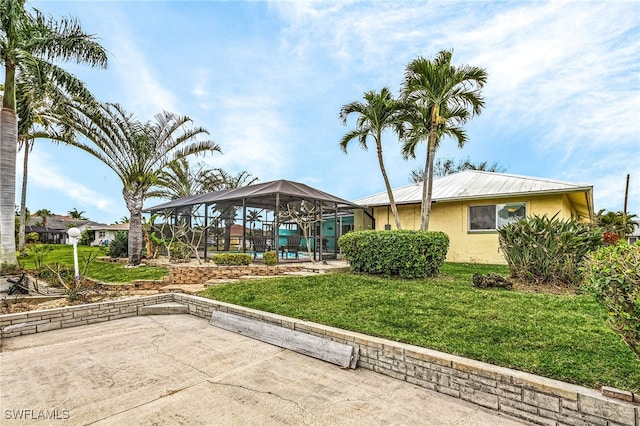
(200, 274)
(533, 398)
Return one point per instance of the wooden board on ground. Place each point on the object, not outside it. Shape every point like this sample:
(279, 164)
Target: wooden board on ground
(327, 350)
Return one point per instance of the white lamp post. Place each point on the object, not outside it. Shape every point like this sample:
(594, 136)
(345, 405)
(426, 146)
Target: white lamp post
(74, 233)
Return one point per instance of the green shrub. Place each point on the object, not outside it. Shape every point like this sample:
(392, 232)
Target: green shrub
(231, 259)
(119, 246)
(547, 250)
(86, 238)
(612, 275)
(270, 258)
(179, 251)
(409, 254)
(31, 238)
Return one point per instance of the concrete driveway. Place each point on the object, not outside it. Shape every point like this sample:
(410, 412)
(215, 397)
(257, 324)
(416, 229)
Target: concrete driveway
(179, 370)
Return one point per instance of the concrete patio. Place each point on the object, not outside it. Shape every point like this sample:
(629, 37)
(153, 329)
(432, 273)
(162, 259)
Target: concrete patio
(178, 369)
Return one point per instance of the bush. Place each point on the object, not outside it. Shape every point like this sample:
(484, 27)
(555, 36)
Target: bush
(231, 259)
(270, 258)
(86, 238)
(408, 254)
(119, 246)
(612, 275)
(546, 250)
(179, 251)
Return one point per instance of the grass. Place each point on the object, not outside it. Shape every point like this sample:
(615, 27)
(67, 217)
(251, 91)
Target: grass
(565, 337)
(107, 272)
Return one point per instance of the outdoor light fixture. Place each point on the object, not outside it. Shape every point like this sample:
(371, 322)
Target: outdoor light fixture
(74, 233)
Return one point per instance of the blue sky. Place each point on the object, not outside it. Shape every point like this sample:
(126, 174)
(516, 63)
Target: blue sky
(267, 79)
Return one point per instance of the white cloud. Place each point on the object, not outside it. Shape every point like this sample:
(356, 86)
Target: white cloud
(42, 173)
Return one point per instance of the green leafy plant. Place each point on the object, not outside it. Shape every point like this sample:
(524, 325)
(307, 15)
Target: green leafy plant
(231, 259)
(86, 237)
(270, 258)
(612, 275)
(408, 254)
(119, 246)
(179, 251)
(544, 250)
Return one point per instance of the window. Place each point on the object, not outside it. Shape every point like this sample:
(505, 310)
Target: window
(493, 216)
(101, 234)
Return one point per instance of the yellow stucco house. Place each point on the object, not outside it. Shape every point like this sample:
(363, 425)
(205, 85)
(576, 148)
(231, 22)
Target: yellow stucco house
(470, 206)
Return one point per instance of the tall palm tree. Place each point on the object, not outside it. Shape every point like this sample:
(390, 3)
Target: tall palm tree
(179, 180)
(253, 216)
(378, 113)
(44, 214)
(441, 98)
(77, 215)
(136, 152)
(30, 42)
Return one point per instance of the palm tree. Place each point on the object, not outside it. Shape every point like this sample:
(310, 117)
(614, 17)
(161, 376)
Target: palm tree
(253, 216)
(616, 222)
(218, 180)
(378, 113)
(440, 98)
(30, 43)
(75, 214)
(136, 152)
(448, 166)
(44, 214)
(179, 180)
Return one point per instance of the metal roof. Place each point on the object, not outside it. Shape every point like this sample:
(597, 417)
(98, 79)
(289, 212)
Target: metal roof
(474, 184)
(261, 195)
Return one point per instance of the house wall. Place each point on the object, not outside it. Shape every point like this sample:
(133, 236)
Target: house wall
(452, 218)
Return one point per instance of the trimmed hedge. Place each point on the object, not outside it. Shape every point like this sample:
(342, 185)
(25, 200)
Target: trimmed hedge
(270, 258)
(408, 254)
(231, 259)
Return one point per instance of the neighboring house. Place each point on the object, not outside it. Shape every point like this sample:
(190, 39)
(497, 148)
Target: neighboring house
(55, 230)
(103, 234)
(470, 206)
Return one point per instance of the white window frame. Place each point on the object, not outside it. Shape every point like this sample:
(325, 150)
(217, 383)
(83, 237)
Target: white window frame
(499, 219)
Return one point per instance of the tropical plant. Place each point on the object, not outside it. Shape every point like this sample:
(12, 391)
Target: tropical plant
(447, 166)
(547, 250)
(378, 113)
(119, 246)
(615, 222)
(612, 275)
(136, 152)
(178, 180)
(75, 214)
(439, 99)
(43, 214)
(31, 43)
(219, 180)
(253, 216)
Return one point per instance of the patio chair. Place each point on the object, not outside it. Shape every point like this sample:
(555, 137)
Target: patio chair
(293, 244)
(259, 244)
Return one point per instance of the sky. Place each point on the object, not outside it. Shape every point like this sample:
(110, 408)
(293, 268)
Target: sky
(268, 79)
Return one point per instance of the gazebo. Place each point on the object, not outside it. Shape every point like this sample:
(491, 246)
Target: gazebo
(281, 204)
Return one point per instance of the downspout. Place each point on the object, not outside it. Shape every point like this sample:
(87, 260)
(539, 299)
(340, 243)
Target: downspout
(244, 224)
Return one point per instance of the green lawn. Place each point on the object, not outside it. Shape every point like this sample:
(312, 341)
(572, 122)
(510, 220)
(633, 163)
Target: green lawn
(108, 272)
(565, 337)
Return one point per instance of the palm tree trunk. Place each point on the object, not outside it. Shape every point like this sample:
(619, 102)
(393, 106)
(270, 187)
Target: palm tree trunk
(427, 183)
(23, 198)
(8, 149)
(392, 201)
(133, 199)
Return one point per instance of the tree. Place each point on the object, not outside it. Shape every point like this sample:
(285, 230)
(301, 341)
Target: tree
(253, 216)
(29, 44)
(179, 180)
(43, 214)
(377, 114)
(75, 214)
(615, 222)
(448, 166)
(439, 98)
(219, 180)
(136, 152)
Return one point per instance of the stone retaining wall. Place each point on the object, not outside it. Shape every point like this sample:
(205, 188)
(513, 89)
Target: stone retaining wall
(533, 398)
(203, 273)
